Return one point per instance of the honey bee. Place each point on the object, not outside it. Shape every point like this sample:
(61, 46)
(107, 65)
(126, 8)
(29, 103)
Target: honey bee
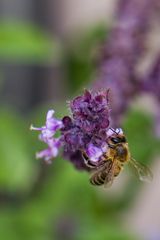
(112, 162)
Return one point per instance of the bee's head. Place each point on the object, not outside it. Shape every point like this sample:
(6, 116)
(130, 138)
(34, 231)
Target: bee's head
(116, 138)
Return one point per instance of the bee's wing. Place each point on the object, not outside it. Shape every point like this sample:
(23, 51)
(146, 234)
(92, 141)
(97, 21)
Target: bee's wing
(142, 171)
(110, 174)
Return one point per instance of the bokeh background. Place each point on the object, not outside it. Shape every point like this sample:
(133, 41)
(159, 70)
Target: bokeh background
(47, 56)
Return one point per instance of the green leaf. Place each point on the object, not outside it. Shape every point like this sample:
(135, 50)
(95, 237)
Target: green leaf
(81, 56)
(138, 129)
(27, 43)
(17, 170)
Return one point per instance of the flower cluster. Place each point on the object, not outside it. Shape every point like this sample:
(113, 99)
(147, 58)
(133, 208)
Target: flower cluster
(151, 85)
(86, 130)
(121, 53)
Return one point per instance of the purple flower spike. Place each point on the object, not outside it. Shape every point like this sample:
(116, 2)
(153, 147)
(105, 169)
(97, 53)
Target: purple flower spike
(47, 135)
(151, 84)
(86, 130)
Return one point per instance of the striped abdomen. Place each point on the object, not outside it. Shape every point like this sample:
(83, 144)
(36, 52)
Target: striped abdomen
(98, 178)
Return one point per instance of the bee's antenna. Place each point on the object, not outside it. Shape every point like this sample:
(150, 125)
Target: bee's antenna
(114, 131)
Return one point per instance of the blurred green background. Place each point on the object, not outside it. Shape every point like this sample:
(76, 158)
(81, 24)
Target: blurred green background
(43, 63)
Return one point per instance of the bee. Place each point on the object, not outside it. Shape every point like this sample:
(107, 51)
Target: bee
(113, 160)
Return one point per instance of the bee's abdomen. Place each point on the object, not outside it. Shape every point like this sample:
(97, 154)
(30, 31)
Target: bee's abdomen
(98, 178)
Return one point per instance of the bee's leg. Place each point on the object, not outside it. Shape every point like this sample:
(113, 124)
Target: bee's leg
(90, 164)
(97, 164)
(118, 169)
(87, 161)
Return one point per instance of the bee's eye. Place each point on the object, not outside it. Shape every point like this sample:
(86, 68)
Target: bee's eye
(115, 140)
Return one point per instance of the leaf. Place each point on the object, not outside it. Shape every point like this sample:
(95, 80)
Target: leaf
(27, 43)
(81, 55)
(138, 129)
(17, 170)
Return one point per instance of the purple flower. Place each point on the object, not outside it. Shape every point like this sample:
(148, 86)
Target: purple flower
(47, 135)
(51, 151)
(121, 53)
(94, 153)
(151, 85)
(86, 130)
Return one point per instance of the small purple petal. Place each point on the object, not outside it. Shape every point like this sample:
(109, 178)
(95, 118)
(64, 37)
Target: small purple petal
(46, 154)
(94, 153)
(51, 151)
(50, 114)
(45, 134)
(52, 123)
